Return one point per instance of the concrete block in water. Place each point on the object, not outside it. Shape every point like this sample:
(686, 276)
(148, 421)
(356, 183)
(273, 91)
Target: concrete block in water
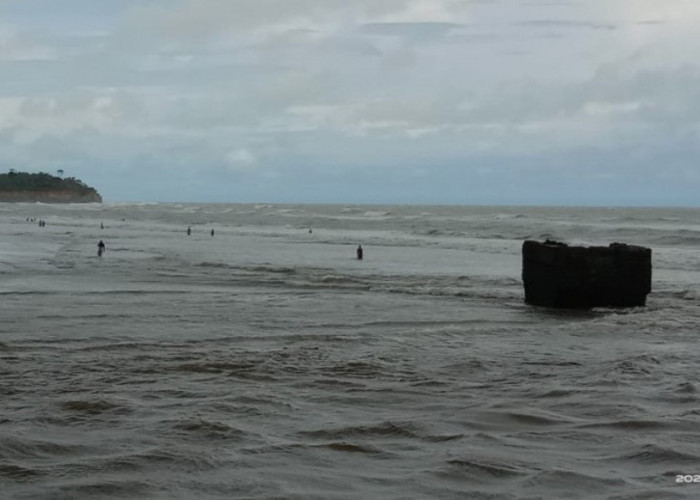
(559, 275)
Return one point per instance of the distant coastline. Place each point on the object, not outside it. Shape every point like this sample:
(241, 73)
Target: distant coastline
(22, 187)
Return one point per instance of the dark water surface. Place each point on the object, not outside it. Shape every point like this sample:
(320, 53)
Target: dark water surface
(266, 362)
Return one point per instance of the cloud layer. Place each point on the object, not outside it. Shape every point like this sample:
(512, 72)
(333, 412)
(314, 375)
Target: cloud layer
(414, 101)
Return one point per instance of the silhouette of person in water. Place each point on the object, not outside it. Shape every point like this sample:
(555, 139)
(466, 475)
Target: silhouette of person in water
(189, 231)
(360, 253)
(100, 248)
(212, 232)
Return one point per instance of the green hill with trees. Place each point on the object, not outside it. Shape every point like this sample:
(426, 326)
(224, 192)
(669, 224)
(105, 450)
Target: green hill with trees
(25, 187)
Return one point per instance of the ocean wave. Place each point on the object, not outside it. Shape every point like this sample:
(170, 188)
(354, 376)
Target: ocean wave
(677, 238)
(523, 419)
(558, 393)
(96, 488)
(380, 430)
(311, 278)
(644, 364)
(345, 447)
(439, 232)
(650, 492)
(173, 455)
(629, 425)
(341, 279)
(651, 453)
(88, 316)
(200, 428)
(15, 472)
(217, 367)
(552, 363)
(25, 448)
(356, 369)
(471, 366)
(376, 214)
(90, 407)
(135, 292)
(215, 265)
(551, 481)
(270, 269)
(532, 419)
(451, 291)
(481, 470)
(7, 390)
(333, 383)
(109, 344)
(685, 388)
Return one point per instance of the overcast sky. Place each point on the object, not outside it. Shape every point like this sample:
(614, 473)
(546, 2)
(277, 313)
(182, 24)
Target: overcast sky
(575, 102)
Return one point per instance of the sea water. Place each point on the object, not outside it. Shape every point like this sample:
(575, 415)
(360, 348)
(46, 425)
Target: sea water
(266, 361)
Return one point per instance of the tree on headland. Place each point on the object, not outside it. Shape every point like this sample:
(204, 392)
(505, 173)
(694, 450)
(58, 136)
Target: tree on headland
(23, 182)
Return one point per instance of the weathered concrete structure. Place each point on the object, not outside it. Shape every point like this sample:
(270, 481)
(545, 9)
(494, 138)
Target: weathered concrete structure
(558, 275)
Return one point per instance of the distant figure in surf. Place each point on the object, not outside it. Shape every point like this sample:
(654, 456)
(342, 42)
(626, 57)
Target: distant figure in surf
(212, 232)
(189, 231)
(360, 253)
(102, 226)
(100, 248)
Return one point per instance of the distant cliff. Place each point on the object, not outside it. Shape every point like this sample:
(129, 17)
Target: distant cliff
(45, 188)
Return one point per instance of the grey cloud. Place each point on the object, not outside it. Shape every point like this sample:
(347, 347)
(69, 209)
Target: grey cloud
(552, 3)
(418, 31)
(335, 93)
(662, 97)
(566, 24)
(44, 45)
(207, 18)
